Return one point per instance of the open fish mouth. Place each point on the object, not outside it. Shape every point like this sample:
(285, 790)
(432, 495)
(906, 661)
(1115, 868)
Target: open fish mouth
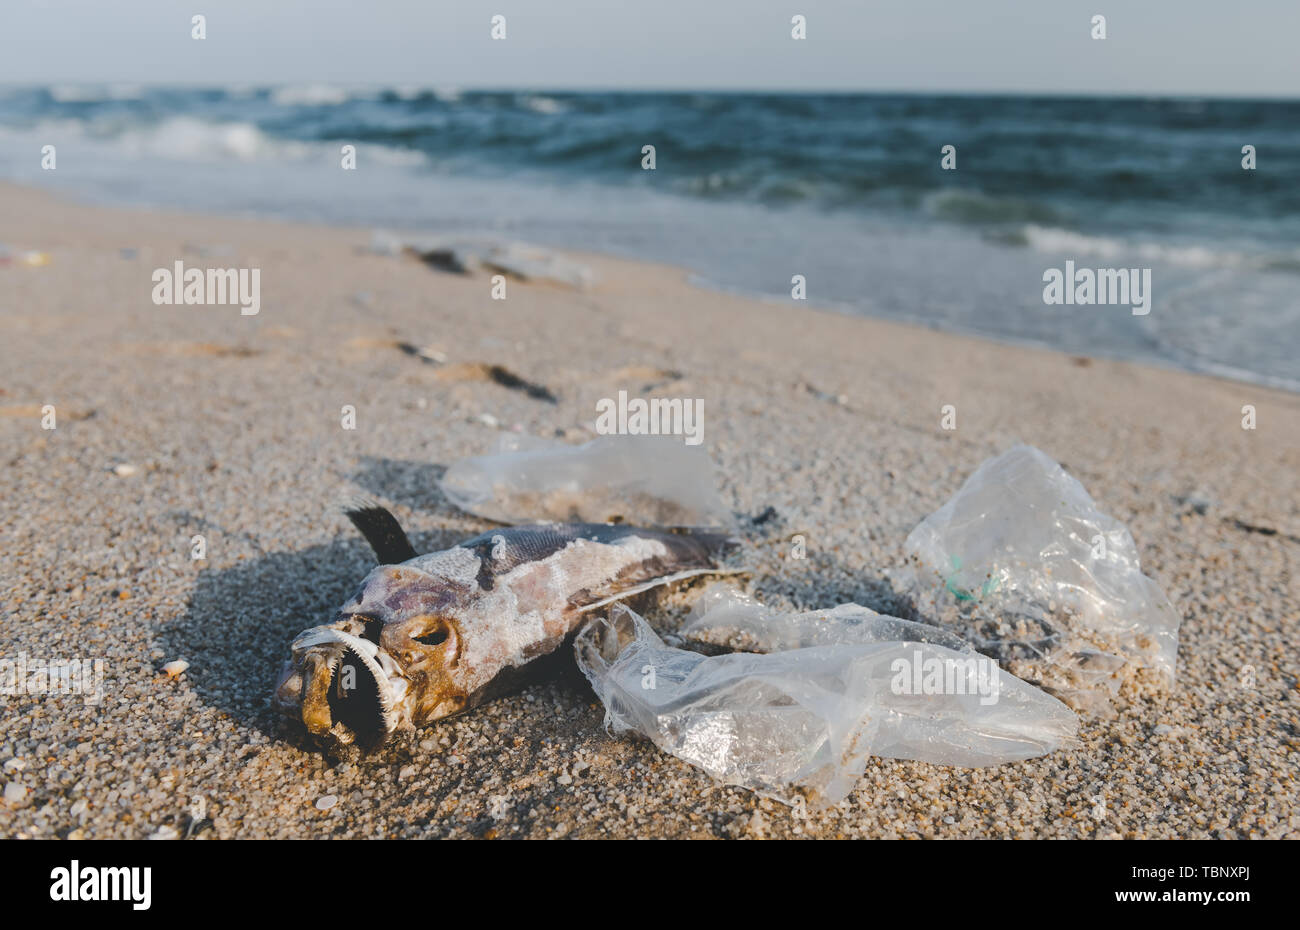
(344, 687)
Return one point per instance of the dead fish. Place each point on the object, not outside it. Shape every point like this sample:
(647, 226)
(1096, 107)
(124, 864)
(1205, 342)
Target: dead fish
(429, 636)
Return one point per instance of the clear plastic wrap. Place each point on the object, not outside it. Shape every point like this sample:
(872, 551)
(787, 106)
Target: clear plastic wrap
(724, 616)
(1022, 564)
(802, 722)
(645, 480)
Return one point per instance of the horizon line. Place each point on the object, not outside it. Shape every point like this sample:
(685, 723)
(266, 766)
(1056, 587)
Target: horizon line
(755, 91)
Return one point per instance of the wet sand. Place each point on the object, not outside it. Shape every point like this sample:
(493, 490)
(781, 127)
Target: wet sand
(229, 426)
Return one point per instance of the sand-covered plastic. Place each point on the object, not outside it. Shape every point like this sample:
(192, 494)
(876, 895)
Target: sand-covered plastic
(801, 722)
(1022, 564)
(643, 480)
(723, 616)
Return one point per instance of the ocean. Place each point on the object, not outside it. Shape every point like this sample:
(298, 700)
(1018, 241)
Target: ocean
(750, 190)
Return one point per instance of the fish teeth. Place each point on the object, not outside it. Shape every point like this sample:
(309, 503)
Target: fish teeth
(366, 646)
(365, 650)
(316, 636)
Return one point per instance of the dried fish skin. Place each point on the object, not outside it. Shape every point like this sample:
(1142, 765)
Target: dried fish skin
(645, 480)
(1021, 563)
(802, 722)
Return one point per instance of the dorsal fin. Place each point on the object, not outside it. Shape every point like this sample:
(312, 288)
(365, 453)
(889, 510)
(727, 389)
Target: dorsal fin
(383, 532)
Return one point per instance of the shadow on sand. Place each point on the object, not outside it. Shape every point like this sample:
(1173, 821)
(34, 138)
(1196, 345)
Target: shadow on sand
(410, 484)
(240, 621)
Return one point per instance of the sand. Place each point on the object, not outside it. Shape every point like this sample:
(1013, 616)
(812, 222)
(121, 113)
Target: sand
(229, 426)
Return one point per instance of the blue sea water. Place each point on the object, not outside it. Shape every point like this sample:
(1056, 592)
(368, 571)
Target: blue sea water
(751, 189)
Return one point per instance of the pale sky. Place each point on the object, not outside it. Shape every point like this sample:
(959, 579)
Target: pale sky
(1180, 47)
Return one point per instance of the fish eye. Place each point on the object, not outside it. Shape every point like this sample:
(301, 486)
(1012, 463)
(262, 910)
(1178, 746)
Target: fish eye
(433, 638)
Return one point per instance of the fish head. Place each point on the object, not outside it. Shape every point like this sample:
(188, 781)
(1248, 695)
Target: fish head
(389, 661)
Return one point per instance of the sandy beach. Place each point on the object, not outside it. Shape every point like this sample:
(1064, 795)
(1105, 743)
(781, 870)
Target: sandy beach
(176, 421)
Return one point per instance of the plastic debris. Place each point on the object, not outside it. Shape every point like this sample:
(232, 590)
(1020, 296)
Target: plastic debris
(468, 256)
(724, 616)
(645, 480)
(802, 722)
(1022, 564)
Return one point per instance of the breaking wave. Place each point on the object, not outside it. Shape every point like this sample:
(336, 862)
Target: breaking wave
(847, 187)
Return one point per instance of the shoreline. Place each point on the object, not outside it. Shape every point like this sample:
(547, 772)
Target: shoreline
(1213, 371)
(176, 421)
(1157, 350)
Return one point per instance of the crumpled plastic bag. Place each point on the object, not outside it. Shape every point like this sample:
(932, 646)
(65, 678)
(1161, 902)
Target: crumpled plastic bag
(645, 480)
(1022, 564)
(723, 616)
(803, 721)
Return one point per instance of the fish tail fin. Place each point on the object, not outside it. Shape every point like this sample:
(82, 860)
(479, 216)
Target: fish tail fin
(382, 530)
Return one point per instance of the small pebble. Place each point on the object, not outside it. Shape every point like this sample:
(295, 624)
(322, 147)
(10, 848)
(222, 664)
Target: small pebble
(14, 793)
(165, 833)
(176, 667)
(325, 803)
(124, 470)
(15, 765)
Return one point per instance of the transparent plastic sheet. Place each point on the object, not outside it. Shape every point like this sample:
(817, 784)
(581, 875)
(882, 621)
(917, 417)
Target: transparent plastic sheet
(645, 480)
(1022, 564)
(724, 616)
(802, 722)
